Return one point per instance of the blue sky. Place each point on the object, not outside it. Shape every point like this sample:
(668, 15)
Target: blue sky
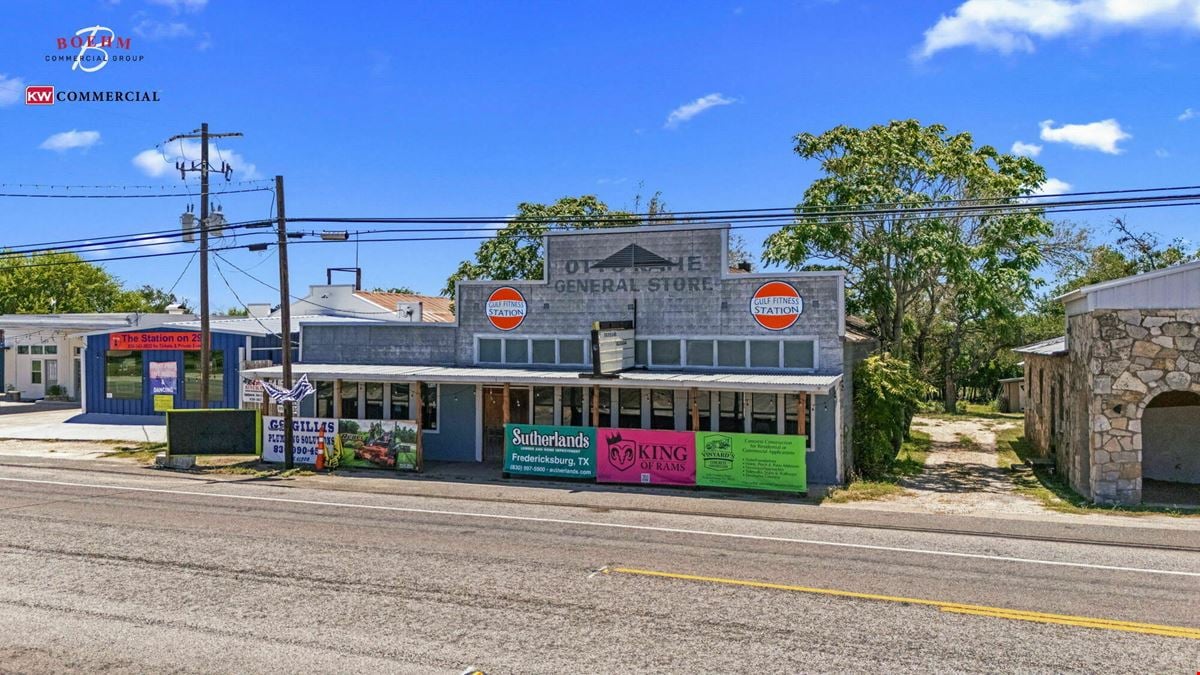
(440, 109)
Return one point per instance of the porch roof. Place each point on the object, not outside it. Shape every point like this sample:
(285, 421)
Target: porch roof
(724, 381)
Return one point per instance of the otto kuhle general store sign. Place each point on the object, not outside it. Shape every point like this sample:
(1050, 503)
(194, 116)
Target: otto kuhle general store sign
(652, 457)
(161, 340)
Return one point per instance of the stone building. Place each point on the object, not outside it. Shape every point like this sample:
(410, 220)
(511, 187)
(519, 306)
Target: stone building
(1116, 401)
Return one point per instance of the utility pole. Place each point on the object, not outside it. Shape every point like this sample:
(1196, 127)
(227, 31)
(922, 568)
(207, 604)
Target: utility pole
(285, 323)
(205, 330)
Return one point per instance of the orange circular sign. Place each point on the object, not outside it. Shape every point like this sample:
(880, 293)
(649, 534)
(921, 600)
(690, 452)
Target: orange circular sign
(776, 305)
(506, 308)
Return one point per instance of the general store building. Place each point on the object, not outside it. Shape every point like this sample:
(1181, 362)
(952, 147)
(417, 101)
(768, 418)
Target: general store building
(714, 350)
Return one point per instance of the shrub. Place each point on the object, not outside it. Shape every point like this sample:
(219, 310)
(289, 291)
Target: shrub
(887, 392)
(56, 390)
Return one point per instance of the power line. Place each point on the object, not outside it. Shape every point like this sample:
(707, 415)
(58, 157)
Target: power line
(83, 261)
(148, 239)
(129, 196)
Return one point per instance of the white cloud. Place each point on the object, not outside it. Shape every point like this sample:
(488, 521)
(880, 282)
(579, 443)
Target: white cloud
(12, 90)
(1187, 114)
(687, 111)
(1026, 149)
(1162, 153)
(152, 29)
(1008, 26)
(157, 163)
(1103, 135)
(67, 140)
(181, 5)
(1052, 186)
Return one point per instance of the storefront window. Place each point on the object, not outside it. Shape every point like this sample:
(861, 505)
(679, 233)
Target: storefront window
(704, 407)
(571, 351)
(731, 353)
(35, 372)
(22, 349)
(349, 401)
(662, 409)
(37, 349)
(543, 351)
(324, 396)
(216, 376)
(764, 354)
(630, 409)
(797, 354)
(51, 349)
(429, 407)
(664, 352)
(489, 351)
(790, 405)
(543, 405)
(123, 375)
(604, 406)
(401, 410)
(374, 404)
(699, 352)
(764, 414)
(732, 418)
(574, 413)
(516, 351)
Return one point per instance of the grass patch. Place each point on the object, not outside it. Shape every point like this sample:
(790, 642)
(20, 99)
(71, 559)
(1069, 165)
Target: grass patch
(1052, 490)
(910, 461)
(143, 452)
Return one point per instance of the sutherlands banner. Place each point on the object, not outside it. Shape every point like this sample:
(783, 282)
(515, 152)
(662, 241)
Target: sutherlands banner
(380, 444)
(559, 452)
(710, 459)
(755, 461)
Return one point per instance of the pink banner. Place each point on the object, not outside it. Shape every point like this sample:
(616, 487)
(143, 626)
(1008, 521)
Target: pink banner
(645, 456)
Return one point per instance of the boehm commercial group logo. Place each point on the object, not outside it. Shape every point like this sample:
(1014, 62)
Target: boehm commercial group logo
(92, 48)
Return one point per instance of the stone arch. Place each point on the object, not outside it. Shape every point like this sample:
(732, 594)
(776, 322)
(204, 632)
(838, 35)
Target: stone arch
(1170, 392)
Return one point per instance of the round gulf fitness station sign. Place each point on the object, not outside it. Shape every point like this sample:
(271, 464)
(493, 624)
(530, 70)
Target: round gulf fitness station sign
(506, 308)
(776, 305)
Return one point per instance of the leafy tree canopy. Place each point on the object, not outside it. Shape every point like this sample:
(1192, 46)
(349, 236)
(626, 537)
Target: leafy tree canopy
(403, 290)
(516, 251)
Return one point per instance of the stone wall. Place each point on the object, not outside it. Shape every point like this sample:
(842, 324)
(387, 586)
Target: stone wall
(1138, 354)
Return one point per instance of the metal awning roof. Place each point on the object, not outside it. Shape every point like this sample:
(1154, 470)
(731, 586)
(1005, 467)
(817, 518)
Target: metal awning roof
(727, 381)
(1051, 347)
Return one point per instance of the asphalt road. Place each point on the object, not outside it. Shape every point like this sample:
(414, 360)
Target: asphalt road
(124, 573)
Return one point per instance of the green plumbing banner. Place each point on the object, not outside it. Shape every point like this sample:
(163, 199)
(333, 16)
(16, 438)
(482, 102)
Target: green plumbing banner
(555, 452)
(754, 461)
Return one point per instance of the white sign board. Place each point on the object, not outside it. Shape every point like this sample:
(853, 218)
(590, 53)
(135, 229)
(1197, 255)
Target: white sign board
(616, 349)
(309, 436)
(252, 392)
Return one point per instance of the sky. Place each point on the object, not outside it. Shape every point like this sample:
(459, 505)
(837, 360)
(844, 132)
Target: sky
(469, 108)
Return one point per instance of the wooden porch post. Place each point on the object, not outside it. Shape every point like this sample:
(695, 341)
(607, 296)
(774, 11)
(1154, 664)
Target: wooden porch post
(337, 399)
(801, 407)
(693, 401)
(595, 405)
(505, 401)
(415, 403)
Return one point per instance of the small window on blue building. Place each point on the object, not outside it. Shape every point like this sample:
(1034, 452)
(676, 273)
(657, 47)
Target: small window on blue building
(543, 351)
(123, 375)
(429, 407)
(373, 393)
(516, 351)
(571, 351)
(797, 354)
(324, 399)
(191, 376)
(400, 407)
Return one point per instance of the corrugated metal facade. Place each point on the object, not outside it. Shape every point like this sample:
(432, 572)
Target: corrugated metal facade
(97, 349)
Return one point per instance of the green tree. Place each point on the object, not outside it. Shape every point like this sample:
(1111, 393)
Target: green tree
(403, 290)
(60, 283)
(147, 298)
(237, 311)
(913, 274)
(516, 251)
(887, 392)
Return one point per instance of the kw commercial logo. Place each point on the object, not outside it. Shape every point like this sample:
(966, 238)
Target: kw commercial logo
(39, 95)
(46, 95)
(92, 48)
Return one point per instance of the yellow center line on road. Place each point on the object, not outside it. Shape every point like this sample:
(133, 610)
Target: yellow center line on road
(951, 607)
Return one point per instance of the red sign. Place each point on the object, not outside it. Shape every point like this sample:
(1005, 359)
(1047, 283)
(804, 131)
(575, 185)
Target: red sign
(37, 94)
(776, 305)
(172, 341)
(506, 308)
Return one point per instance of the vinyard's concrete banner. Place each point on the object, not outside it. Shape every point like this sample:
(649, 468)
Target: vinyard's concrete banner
(755, 461)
